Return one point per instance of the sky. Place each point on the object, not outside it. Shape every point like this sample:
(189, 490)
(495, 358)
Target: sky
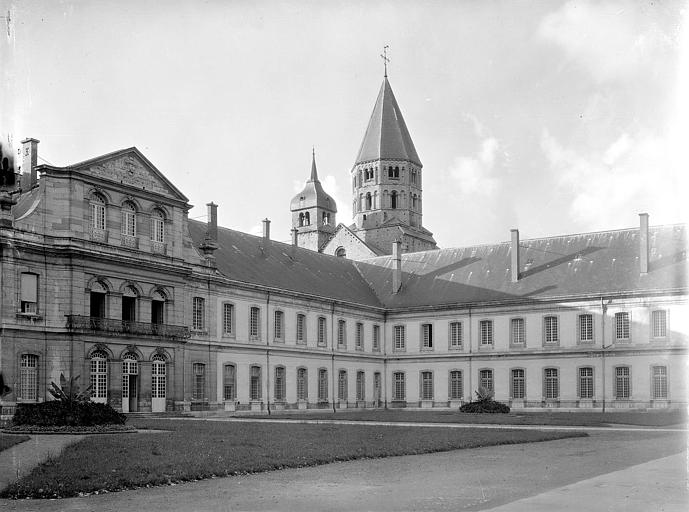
(552, 117)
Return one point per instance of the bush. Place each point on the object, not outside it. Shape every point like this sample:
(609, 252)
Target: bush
(485, 406)
(67, 412)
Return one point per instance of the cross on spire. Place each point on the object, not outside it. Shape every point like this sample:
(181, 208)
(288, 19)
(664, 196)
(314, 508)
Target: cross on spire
(385, 58)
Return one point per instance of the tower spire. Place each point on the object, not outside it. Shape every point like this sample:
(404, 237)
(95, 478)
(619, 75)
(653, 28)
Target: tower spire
(385, 58)
(314, 172)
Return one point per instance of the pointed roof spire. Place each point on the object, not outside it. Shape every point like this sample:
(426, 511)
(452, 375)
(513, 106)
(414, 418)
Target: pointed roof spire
(387, 137)
(314, 172)
(313, 193)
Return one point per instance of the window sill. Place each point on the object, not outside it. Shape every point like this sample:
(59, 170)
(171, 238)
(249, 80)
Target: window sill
(486, 347)
(279, 341)
(426, 349)
(456, 349)
(359, 349)
(518, 346)
(228, 335)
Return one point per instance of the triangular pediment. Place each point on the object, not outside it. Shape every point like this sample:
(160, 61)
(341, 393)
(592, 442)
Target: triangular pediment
(131, 168)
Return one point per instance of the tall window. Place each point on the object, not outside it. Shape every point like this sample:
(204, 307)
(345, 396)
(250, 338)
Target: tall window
(158, 227)
(29, 293)
(228, 319)
(456, 385)
(622, 326)
(341, 333)
(359, 336)
(322, 385)
(426, 385)
(97, 213)
(360, 386)
(322, 331)
(28, 377)
(394, 199)
(427, 336)
(659, 382)
(622, 383)
(517, 332)
(255, 383)
(254, 323)
(400, 342)
(586, 382)
(485, 379)
(129, 304)
(398, 386)
(585, 328)
(198, 319)
(279, 383)
(518, 383)
(158, 376)
(128, 219)
(279, 328)
(158, 308)
(199, 390)
(301, 328)
(302, 384)
(342, 385)
(99, 376)
(376, 337)
(551, 384)
(230, 382)
(659, 322)
(551, 333)
(97, 300)
(486, 332)
(456, 335)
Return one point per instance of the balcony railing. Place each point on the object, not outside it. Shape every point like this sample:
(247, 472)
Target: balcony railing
(112, 326)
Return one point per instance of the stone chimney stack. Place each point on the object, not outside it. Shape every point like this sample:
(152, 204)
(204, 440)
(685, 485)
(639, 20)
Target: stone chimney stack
(643, 243)
(294, 236)
(397, 266)
(514, 252)
(29, 159)
(212, 221)
(266, 229)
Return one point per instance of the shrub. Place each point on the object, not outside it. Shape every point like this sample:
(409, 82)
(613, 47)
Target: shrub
(70, 412)
(485, 403)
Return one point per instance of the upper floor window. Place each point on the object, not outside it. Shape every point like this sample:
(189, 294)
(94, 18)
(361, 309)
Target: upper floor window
(427, 336)
(29, 293)
(326, 218)
(622, 326)
(376, 337)
(254, 323)
(322, 331)
(398, 386)
(359, 336)
(97, 306)
(158, 227)
(485, 379)
(198, 318)
(394, 199)
(456, 335)
(585, 328)
(368, 201)
(413, 176)
(399, 338)
(279, 326)
(393, 172)
(128, 219)
(341, 333)
(157, 308)
(659, 323)
(341, 252)
(129, 299)
(551, 334)
(97, 212)
(28, 377)
(301, 328)
(486, 332)
(517, 331)
(228, 319)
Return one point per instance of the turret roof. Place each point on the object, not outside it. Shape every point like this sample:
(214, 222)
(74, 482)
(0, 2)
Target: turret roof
(313, 194)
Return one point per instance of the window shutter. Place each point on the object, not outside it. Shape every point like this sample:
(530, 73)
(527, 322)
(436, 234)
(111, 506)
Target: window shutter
(29, 284)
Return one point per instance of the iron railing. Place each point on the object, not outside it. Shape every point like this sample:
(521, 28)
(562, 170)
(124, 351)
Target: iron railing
(112, 326)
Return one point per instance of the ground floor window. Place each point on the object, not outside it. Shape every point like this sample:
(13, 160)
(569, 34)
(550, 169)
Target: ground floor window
(323, 385)
(199, 390)
(28, 377)
(398, 386)
(342, 385)
(280, 383)
(586, 383)
(659, 382)
(255, 383)
(158, 377)
(456, 385)
(99, 376)
(302, 384)
(426, 385)
(518, 383)
(622, 384)
(485, 379)
(230, 382)
(551, 384)
(360, 386)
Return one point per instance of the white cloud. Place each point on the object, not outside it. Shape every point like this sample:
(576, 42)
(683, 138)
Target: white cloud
(476, 174)
(344, 206)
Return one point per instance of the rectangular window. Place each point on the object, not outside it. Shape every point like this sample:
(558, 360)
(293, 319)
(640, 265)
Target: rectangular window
(551, 384)
(301, 329)
(342, 385)
(359, 336)
(659, 322)
(622, 384)
(29, 293)
(279, 384)
(28, 377)
(486, 332)
(398, 386)
(586, 383)
(427, 336)
(341, 333)
(198, 314)
(322, 385)
(426, 385)
(456, 335)
(360, 386)
(128, 220)
(551, 334)
(322, 332)
(228, 319)
(485, 379)
(255, 383)
(302, 384)
(279, 328)
(199, 392)
(158, 227)
(376, 337)
(230, 382)
(586, 328)
(254, 323)
(456, 385)
(622, 326)
(518, 383)
(98, 214)
(517, 331)
(400, 342)
(660, 382)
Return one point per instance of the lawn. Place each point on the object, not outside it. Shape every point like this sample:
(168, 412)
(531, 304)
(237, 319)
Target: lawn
(203, 449)
(7, 441)
(588, 419)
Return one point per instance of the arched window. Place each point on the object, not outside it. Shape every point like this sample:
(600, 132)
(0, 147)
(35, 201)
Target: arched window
(368, 201)
(158, 226)
(97, 212)
(393, 199)
(158, 308)
(307, 219)
(301, 219)
(130, 372)
(413, 202)
(255, 383)
(279, 384)
(302, 384)
(28, 378)
(396, 172)
(128, 219)
(99, 376)
(97, 303)
(129, 297)
(158, 381)
(326, 218)
(375, 199)
(341, 252)
(230, 382)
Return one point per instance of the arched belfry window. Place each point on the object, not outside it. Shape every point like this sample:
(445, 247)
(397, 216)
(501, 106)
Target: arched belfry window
(326, 218)
(393, 199)
(307, 219)
(301, 219)
(368, 201)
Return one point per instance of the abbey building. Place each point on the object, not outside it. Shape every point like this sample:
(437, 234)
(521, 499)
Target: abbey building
(103, 275)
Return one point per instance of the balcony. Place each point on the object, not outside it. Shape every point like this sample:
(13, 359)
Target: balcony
(115, 327)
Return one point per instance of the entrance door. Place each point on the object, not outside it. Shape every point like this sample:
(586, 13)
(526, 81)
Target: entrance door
(133, 395)
(130, 373)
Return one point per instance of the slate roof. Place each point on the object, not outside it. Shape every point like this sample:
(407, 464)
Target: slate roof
(313, 194)
(246, 258)
(387, 136)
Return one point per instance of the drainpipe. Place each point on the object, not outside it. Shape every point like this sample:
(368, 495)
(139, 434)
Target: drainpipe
(471, 393)
(268, 345)
(604, 309)
(332, 352)
(384, 384)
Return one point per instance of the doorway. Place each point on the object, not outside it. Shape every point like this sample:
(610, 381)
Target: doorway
(130, 383)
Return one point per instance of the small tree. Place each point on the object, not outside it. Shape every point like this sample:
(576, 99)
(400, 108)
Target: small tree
(68, 391)
(484, 403)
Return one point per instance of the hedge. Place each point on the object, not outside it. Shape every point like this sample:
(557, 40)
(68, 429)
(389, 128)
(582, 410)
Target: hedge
(72, 413)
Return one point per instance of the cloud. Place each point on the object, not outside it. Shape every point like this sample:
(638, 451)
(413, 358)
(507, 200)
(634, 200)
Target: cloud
(344, 205)
(476, 174)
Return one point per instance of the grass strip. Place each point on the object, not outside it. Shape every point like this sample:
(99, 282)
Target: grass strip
(195, 450)
(7, 441)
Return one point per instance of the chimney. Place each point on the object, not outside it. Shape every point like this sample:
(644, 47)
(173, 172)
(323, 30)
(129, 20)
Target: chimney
(29, 158)
(643, 243)
(266, 229)
(397, 266)
(294, 236)
(514, 251)
(212, 221)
